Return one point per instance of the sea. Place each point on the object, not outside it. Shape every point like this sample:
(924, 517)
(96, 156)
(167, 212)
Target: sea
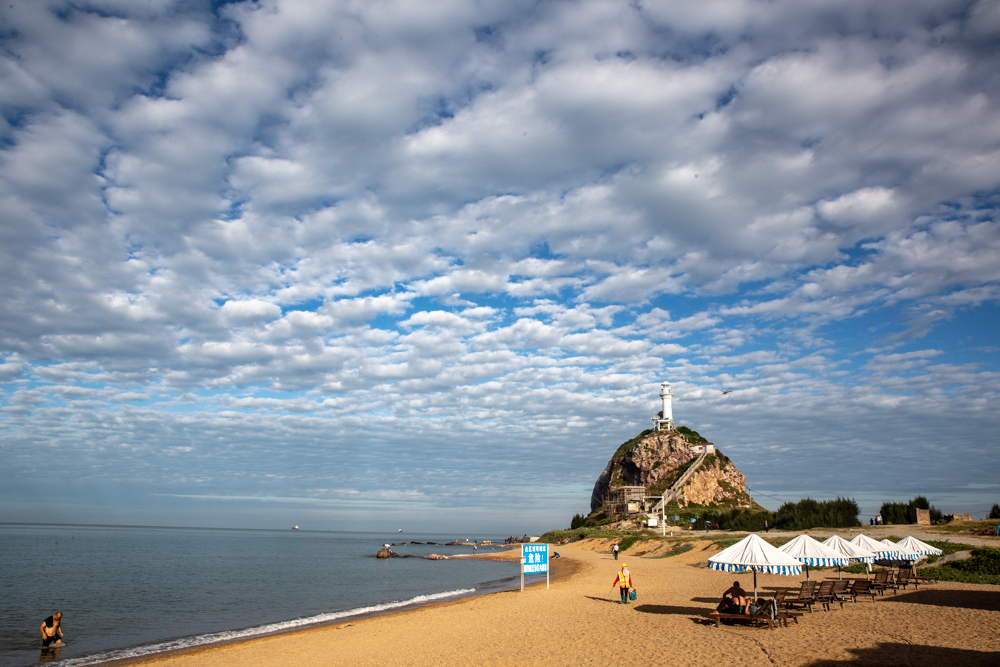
(128, 592)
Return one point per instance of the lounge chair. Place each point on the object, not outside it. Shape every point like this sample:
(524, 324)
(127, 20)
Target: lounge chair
(860, 587)
(840, 590)
(905, 578)
(883, 581)
(767, 614)
(824, 595)
(805, 599)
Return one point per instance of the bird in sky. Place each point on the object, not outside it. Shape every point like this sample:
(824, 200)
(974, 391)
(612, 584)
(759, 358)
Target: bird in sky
(728, 391)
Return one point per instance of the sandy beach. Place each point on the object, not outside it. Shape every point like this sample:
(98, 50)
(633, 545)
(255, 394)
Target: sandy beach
(580, 621)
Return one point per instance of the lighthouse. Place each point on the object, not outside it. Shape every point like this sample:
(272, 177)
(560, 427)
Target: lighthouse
(665, 419)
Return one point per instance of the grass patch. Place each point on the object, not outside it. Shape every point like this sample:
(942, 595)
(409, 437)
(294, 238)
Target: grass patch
(677, 549)
(982, 568)
(629, 540)
(945, 573)
(950, 547)
(986, 527)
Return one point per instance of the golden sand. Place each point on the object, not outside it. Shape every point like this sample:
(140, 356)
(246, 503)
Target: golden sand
(579, 621)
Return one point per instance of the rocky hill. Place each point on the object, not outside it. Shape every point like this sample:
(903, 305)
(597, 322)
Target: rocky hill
(658, 460)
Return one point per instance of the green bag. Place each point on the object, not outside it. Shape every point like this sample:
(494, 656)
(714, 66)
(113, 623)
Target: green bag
(632, 594)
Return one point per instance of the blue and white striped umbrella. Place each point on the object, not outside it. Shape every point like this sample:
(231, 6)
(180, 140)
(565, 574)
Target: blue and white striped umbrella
(808, 551)
(902, 553)
(916, 546)
(850, 551)
(754, 554)
(881, 551)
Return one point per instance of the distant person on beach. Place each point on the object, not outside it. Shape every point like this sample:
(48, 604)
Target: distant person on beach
(871, 522)
(51, 628)
(624, 582)
(766, 528)
(614, 550)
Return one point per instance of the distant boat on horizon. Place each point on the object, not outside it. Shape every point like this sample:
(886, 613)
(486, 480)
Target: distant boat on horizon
(400, 530)
(295, 527)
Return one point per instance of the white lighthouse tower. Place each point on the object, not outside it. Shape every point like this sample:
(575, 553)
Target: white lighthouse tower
(665, 419)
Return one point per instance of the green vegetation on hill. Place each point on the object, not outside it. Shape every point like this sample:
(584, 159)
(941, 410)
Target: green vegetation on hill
(627, 446)
(690, 435)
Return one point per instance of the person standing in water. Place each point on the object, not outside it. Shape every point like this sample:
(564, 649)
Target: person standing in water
(52, 634)
(624, 582)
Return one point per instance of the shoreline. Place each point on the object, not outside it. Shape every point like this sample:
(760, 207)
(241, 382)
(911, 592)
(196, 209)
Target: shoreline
(560, 571)
(580, 620)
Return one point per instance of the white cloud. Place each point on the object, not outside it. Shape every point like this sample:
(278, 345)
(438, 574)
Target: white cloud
(311, 227)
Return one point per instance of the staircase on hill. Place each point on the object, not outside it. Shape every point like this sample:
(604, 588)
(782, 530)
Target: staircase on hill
(671, 493)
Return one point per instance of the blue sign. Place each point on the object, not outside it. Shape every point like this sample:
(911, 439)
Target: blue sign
(536, 558)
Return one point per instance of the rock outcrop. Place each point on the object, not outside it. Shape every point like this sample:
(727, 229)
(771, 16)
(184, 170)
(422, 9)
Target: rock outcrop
(385, 553)
(659, 459)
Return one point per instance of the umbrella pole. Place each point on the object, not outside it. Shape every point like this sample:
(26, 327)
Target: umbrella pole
(755, 585)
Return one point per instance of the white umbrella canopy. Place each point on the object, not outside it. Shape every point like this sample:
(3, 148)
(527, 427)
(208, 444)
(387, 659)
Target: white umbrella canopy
(753, 553)
(916, 546)
(808, 551)
(902, 553)
(850, 551)
(880, 550)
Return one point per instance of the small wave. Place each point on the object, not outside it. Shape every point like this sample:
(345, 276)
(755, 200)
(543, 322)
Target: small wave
(229, 635)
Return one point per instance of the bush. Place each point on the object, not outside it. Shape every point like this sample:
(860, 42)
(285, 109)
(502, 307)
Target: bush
(983, 561)
(690, 435)
(902, 513)
(577, 522)
(995, 512)
(809, 513)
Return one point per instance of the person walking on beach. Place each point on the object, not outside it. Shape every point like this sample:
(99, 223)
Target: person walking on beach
(624, 582)
(614, 550)
(765, 526)
(52, 634)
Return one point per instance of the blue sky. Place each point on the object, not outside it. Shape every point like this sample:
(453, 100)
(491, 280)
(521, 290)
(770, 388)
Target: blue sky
(367, 265)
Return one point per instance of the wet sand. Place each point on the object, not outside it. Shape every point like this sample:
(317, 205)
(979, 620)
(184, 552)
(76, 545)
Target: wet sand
(580, 622)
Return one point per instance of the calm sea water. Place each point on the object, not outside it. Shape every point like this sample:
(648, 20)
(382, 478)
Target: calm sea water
(133, 591)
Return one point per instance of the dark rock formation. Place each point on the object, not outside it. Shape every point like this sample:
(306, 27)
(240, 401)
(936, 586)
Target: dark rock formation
(386, 553)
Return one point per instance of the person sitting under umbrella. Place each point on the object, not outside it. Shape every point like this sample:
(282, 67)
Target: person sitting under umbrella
(734, 601)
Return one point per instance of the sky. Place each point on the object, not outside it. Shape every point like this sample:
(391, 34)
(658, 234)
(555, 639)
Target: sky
(399, 264)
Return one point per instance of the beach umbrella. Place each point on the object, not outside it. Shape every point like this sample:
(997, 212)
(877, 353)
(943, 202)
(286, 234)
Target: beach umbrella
(902, 553)
(753, 553)
(916, 546)
(851, 551)
(808, 551)
(881, 551)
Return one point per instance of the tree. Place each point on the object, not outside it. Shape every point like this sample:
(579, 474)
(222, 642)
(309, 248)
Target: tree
(577, 521)
(995, 511)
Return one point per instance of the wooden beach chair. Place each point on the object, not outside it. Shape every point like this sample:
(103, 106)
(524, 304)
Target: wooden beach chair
(882, 582)
(860, 587)
(762, 617)
(824, 594)
(805, 599)
(905, 578)
(840, 590)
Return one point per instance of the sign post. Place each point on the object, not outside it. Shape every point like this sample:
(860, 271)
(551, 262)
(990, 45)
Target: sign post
(535, 560)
